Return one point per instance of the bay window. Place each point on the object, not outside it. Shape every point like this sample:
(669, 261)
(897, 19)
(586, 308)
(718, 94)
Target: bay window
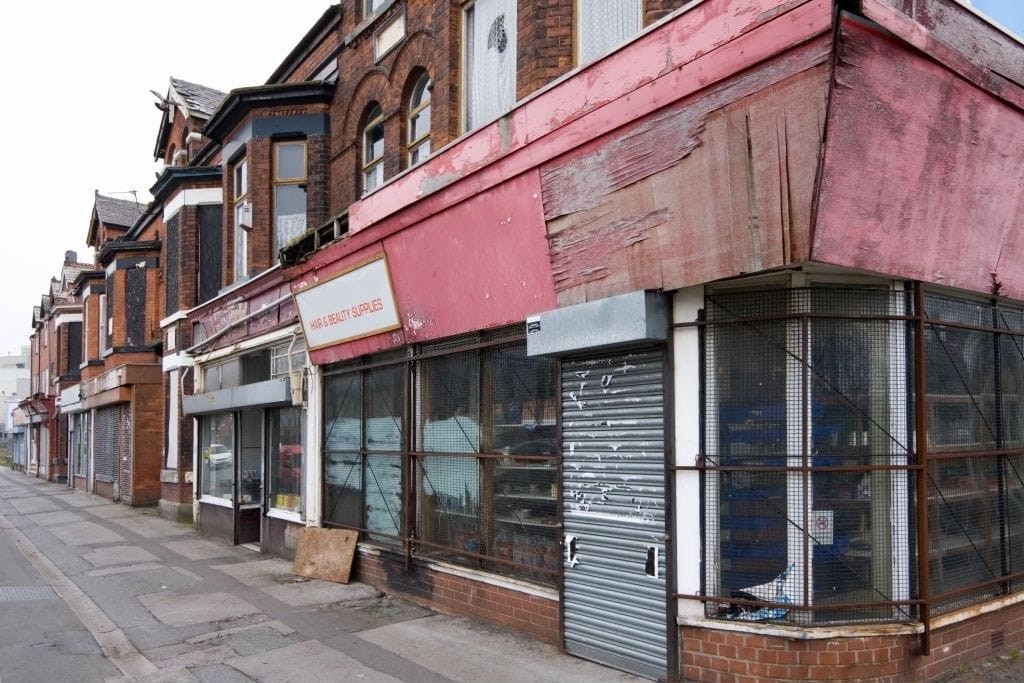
(289, 192)
(243, 220)
(814, 458)
(806, 449)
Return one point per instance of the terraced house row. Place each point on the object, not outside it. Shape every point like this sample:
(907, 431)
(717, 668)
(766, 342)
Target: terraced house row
(689, 337)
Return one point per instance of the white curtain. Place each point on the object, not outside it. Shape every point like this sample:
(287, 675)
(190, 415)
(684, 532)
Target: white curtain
(604, 25)
(490, 60)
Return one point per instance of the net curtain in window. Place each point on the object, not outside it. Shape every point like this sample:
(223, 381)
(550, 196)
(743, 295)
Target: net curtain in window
(490, 60)
(604, 25)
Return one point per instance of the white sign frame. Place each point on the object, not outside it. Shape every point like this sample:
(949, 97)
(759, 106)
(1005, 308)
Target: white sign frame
(358, 302)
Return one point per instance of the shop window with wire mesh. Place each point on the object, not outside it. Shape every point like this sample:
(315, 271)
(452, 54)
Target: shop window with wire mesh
(806, 449)
(363, 451)
(975, 480)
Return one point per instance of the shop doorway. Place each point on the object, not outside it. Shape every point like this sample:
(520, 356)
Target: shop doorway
(249, 477)
(614, 599)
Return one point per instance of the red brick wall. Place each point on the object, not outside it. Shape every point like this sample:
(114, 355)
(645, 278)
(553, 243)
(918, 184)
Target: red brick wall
(457, 595)
(433, 43)
(727, 656)
(147, 443)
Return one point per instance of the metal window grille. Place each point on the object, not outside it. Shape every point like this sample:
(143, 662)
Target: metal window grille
(806, 452)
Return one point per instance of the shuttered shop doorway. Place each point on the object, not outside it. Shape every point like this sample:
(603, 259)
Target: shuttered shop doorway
(614, 507)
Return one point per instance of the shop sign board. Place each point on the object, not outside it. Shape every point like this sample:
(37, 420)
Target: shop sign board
(356, 303)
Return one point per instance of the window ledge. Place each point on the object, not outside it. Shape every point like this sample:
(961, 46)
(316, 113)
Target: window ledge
(218, 502)
(286, 515)
(803, 632)
(473, 575)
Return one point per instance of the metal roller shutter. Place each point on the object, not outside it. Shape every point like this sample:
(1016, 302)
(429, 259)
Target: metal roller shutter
(613, 479)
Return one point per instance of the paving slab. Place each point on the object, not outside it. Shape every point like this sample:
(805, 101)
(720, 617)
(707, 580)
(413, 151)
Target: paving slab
(198, 549)
(85, 533)
(274, 577)
(186, 610)
(50, 518)
(110, 510)
(83, 500)
(33, 503)
(151, 527)
(485, 653)
(119, 554)
(308, 662)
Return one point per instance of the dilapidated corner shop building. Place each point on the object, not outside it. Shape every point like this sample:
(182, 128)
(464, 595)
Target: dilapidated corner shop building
(705, 360)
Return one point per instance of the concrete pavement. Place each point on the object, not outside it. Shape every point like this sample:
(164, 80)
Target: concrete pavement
(96, 591)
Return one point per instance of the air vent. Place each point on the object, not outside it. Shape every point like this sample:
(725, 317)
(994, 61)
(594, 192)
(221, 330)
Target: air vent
(997, 640)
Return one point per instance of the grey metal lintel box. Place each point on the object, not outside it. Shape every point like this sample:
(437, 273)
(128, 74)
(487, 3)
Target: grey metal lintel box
(269, 393)
(625, 320)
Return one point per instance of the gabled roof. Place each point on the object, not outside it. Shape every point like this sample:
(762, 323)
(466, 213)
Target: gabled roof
(192, 99)
(114, 211)
(70, 272)
(110, 211)
(198, 100)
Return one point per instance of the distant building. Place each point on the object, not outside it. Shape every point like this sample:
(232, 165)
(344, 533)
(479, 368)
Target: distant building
(14, 384)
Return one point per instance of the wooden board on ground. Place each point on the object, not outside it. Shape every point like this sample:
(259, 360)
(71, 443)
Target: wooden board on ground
(325, 554)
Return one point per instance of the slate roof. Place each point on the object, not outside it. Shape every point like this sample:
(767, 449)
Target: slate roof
(199, 99)
(113, 211)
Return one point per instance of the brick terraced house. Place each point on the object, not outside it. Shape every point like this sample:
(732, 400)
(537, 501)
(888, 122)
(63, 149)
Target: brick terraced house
(687, 337)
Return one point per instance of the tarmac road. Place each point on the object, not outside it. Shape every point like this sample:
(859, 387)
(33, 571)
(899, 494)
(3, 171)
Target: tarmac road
(92, 590)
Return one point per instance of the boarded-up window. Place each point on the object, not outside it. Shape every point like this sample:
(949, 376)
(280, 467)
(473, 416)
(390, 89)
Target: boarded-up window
(74, 347)
(171, 259)
(135, 307)
(210, 236)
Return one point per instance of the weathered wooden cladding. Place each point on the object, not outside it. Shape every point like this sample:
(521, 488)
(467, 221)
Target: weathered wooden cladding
(718, 184)
(922, 175)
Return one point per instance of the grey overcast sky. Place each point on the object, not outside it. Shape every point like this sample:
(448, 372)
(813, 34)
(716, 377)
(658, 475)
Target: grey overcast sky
(76, 114)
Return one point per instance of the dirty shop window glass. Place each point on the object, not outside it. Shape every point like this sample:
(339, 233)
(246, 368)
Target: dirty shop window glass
(289, 192)
(603, 25)
(362, 442)
(489, 60)
(419, 121)
(974, 372)
(373, 149)
(482, 464)
(217, 455)
(806, 434)
(287, 446)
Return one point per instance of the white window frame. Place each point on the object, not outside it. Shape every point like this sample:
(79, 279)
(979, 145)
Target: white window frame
(281, 181)
(418, 148)
(240, 173)
(372, 166)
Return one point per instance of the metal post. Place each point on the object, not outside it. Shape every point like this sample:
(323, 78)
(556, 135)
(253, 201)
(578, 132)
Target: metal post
(921, 445)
